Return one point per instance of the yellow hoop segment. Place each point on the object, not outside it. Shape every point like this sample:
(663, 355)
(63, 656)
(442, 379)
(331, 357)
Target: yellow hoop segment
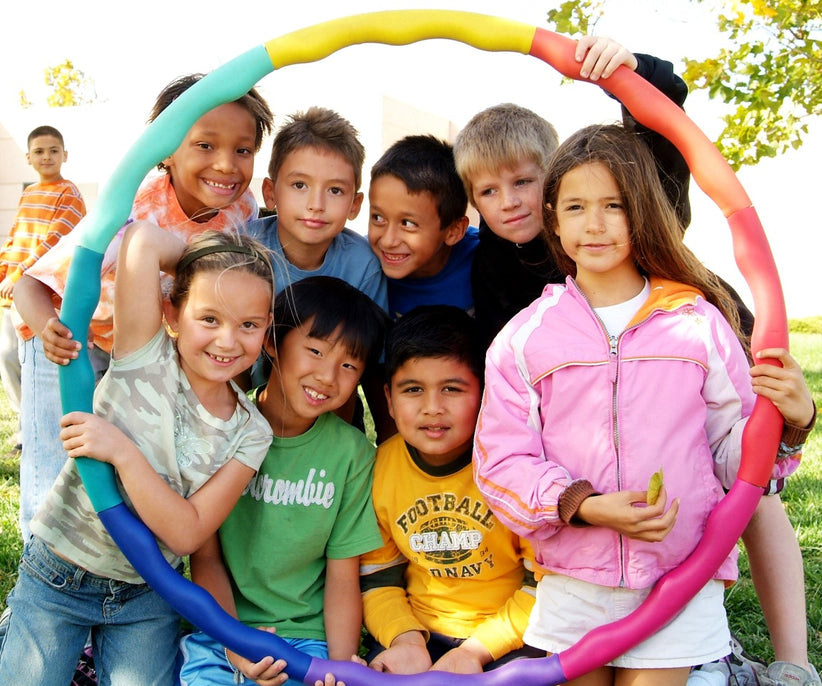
(400, 27)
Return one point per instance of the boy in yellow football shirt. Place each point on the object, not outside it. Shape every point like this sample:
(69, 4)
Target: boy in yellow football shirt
(451, 588)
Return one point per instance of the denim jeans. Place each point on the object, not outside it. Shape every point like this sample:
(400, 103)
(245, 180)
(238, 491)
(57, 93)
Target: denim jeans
(53, 606)
(9, 358)
(204, 662)
(43, 456)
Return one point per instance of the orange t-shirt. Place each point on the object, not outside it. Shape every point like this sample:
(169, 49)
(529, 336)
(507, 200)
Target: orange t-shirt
(46, 212)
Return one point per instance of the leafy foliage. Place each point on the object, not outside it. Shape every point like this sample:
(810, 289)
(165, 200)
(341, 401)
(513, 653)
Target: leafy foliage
(69, 87)
(770, 73)
(806, 325)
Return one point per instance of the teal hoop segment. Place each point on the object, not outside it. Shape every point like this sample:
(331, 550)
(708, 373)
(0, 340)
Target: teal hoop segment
(158, 141)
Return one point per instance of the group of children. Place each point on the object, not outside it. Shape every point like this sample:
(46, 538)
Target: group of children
(503, 513)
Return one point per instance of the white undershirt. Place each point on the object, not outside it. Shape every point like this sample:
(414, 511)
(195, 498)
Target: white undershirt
(616, 317)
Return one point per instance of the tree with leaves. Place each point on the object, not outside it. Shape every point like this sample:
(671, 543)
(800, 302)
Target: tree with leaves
(70, 87)
(770, 73)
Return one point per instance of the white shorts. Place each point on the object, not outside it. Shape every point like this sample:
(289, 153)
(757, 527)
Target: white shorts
(566, 609)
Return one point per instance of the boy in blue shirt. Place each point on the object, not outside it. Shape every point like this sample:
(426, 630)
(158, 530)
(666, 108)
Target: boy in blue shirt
(312, 189)
(418, 226)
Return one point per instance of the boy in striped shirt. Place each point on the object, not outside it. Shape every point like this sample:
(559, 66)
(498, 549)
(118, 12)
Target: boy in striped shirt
(47, 211)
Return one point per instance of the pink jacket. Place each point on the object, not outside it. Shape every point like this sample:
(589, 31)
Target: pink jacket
(563, 402)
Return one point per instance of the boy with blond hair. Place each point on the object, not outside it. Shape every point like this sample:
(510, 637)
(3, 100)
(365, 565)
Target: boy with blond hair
(502, 156)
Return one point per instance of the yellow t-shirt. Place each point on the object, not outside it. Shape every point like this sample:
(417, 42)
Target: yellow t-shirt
(447, 565)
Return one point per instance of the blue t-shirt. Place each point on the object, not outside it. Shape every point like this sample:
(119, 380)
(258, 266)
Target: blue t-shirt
(349, 257)
(451, 286)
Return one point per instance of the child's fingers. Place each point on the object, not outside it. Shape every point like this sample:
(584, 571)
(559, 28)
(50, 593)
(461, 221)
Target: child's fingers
(55, 327)
(594, 53)
(58, 349)
(71, 418)
(779, 354)
(657, 528)
(601, 57)
(584, 44)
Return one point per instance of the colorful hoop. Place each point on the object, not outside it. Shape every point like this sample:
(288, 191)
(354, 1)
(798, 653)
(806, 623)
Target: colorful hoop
(403, 27)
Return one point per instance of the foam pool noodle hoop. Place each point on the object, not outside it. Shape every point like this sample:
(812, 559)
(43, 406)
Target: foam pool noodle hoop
(402, 27)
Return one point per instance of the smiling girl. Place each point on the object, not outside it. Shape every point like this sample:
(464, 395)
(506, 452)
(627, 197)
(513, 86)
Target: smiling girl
(184, 441)
(633, 363)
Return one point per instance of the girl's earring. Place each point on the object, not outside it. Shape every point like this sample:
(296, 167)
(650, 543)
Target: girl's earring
(171, 332)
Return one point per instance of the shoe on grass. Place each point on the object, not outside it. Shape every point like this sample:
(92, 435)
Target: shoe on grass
(789, 674)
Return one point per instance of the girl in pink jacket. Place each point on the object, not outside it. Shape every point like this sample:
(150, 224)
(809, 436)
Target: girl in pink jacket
(632, 365)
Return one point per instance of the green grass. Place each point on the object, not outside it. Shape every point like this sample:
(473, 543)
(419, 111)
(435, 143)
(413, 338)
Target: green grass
(803, 502)
(10, 542)
(802, 498)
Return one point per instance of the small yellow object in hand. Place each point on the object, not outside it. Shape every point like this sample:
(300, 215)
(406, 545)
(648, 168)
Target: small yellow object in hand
(654, 486)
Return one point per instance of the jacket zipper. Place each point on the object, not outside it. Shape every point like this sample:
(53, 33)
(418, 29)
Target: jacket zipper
(613, 352)
(613, 342)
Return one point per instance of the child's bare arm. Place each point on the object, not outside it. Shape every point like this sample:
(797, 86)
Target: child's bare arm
(146, 250)
(209, 571)
(32, 298)
(183, 524)
(601, 56)
(342, 607)
(784, 386)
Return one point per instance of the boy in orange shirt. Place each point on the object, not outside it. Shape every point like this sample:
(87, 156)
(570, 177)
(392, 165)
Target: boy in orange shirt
(47, 211)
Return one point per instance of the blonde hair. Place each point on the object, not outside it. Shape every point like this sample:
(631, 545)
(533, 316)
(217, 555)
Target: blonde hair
(655, 232)
(501, 137)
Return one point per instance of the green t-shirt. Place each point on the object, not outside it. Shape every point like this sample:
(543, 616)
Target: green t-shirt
(310, 500)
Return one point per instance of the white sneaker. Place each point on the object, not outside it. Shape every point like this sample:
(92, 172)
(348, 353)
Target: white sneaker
(789, 674)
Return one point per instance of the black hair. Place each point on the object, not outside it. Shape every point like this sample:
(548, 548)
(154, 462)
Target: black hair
(425, 163)
(333, 307)
(435, 331)
(252, 101)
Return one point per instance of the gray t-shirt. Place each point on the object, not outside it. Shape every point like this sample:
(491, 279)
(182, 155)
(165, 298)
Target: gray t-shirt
(147, 395)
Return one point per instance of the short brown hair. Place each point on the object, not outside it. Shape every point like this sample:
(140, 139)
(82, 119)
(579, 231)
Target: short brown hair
(321, 128)
(45, 131)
